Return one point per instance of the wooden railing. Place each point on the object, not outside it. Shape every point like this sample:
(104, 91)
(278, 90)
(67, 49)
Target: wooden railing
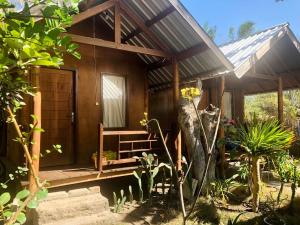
(135, 145)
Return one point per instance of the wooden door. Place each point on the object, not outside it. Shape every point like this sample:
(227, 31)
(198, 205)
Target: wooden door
(57, 90)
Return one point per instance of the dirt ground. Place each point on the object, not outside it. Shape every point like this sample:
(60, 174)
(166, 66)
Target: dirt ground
(211, 211)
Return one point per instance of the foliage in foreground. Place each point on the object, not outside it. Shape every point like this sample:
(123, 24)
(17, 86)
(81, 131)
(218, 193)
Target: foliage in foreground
(262, 139)
(30, 37)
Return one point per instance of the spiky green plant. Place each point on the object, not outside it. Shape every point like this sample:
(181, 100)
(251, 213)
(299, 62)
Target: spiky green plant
(119, 202)
(262, 139)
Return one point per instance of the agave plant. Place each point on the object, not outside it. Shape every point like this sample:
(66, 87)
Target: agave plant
(262, 139)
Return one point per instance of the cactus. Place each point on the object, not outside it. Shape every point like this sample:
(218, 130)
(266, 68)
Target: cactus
(119, 202)
(138, 175)
(130, 194)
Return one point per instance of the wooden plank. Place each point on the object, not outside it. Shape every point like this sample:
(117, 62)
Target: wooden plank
(118, 162)
(124, 132)
(113, 45)
(140, 23)
(93, 11)
(138, 141)
(139, 150)
(150, 23)
(280, 100)
(117, 23)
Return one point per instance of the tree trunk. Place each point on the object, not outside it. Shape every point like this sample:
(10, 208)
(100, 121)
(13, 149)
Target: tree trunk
(255, 173)
(280, 192)
(193, 136)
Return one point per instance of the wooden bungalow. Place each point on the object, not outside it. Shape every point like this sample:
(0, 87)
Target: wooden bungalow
(128, 50)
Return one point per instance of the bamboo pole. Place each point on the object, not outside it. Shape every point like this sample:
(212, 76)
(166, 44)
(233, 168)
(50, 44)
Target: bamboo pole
(176, 84)
(36, 137)
(280, 100)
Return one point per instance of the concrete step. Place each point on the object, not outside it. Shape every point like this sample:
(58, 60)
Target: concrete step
(85, 206)
(105, 218)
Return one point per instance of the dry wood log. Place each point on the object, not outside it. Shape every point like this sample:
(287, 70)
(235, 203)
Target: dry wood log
(194, 137)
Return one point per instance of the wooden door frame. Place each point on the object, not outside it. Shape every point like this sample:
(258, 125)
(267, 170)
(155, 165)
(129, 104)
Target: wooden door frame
(75, 131)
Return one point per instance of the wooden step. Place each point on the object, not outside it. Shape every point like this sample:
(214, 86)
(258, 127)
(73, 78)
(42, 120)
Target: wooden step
(139, 150)
(137, 141)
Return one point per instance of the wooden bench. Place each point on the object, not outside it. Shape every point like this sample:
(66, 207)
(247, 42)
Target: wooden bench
(126, 147)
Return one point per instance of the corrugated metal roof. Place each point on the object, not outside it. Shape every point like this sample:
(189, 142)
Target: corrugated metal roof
(178, 32)
(242, 53)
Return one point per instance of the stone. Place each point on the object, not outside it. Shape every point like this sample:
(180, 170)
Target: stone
(84, 206)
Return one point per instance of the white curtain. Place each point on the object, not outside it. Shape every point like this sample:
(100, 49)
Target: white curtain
(114, 101)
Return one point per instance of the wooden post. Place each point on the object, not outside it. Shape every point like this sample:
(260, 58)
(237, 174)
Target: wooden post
(175, 87)
(117, 24)
(100, 150)
(221, 130)
(280, 100)
(36, 137)
(175, 108)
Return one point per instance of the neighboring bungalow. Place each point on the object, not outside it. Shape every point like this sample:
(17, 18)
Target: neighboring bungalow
(127, 48)
(266, 61)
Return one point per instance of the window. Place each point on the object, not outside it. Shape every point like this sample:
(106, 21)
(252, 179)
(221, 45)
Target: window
(228, 105)
(114, 101)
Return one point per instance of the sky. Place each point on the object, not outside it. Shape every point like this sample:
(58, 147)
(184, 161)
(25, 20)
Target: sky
(231, 13)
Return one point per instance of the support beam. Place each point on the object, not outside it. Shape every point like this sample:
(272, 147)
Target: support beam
(177, 134)
(176, 87)
(280, 100)
(117, 24)
(221, 130)
(150, 23)
(207, 75)
(190, 52)
(93, 11)
(185, 54)
(113, 45)
(140, 23)
(36, 137)
(262, 76)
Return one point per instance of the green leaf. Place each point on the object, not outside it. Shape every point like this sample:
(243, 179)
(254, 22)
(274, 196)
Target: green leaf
(23, 194)
(155, 171)
(43, 62)
(42, 194)
(4, 198)
(33, 204)
(21, 218)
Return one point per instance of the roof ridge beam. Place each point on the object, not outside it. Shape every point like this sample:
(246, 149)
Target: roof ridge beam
(150, 23)
(93, 11)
